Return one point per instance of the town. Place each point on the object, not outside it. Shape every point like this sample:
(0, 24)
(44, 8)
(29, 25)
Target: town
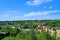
(13, 28)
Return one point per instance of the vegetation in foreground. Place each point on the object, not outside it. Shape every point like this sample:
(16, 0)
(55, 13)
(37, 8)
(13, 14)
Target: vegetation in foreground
(22, 35)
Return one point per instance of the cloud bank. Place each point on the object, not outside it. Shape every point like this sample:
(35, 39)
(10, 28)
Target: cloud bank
(40, 13)
(30, 16)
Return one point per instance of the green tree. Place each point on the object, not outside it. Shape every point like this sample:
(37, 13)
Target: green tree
(14, 31)
(8, 38)
(21, 35)
(31, 34)
(7, 29)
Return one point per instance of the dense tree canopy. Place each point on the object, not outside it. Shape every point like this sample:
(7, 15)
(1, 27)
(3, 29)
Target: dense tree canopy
(52, 23)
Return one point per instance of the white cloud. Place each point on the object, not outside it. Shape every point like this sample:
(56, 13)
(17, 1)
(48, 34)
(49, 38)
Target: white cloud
(40, 13)
(27, 16)
(37, 2)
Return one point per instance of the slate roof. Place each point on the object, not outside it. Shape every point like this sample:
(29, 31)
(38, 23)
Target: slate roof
(57, 28)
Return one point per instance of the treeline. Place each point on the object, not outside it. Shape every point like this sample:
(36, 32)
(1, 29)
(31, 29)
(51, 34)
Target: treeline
(24, 23)
(52, 23)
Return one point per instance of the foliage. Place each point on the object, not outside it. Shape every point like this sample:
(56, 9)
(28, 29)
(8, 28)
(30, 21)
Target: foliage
(8, 38)
(14, 31)
(45, 36)
(0, 28)
(52, 23)
(7, 29)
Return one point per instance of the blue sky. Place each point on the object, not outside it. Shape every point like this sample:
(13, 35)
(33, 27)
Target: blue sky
(29, 9)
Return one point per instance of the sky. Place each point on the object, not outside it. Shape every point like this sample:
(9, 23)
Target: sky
(29, 10)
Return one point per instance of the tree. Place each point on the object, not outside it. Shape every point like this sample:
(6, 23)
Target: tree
(7, 29)
(14, 31)
(21, 35)
(0, 28)
(8, 38)
(31, 34)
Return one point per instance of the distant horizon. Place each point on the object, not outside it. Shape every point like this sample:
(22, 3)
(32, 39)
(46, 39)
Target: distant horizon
(28, 20)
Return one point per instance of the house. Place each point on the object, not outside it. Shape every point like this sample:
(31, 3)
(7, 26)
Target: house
(12, 26)
(3, 27)
(27, 30)
(55, 31)
(40, 28)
